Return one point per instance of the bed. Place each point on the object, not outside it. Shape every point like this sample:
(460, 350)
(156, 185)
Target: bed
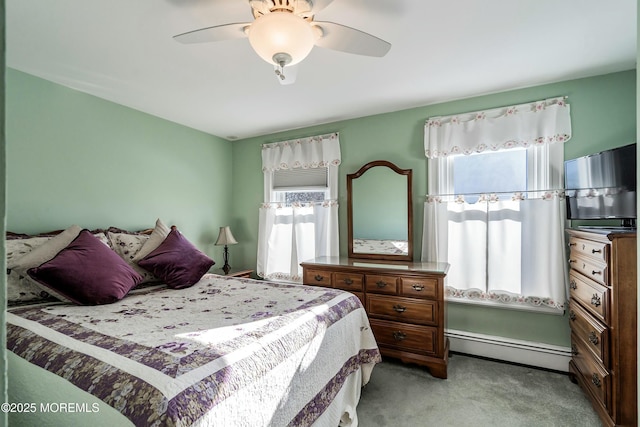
(220, 352)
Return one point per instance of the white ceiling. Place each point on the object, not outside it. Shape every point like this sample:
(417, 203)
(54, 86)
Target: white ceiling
(123, 51)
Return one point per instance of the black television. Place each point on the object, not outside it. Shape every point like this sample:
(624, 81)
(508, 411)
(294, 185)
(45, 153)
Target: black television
(602, 186)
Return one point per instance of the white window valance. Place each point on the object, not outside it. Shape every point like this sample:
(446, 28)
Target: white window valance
(536, 123)
(311, 152)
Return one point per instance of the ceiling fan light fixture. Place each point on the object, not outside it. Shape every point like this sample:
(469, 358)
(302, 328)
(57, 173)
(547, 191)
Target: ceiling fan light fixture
(278, 33)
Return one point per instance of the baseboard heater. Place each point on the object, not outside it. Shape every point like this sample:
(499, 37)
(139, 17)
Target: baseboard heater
(530, 353)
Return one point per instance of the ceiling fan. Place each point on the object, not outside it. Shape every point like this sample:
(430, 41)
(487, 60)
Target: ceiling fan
(284, 32)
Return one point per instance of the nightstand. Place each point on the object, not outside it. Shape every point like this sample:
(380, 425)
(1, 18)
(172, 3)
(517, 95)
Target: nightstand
(234, 272)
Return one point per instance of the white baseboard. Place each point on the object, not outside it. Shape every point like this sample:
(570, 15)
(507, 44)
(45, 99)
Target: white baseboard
(511, 350)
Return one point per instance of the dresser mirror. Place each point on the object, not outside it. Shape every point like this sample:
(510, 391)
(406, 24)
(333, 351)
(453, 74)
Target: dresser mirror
(379, 212)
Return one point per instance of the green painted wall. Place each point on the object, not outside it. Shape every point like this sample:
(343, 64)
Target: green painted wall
(603, 111)
(75, 158)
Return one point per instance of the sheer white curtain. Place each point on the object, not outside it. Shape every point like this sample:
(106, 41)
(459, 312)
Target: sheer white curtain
(505, 248)
(292, 233)
(295, 233)
(537, 123)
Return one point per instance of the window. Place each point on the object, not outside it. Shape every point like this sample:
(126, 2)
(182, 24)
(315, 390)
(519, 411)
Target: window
(493, 172)
(495, 209)
(299, 217)
(500, 231)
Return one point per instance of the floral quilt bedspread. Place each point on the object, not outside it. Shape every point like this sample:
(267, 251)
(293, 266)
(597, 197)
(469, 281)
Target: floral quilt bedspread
(226, 351)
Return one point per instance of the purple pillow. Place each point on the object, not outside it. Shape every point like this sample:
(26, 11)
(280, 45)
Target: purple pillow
(176, 261)
(86, 272)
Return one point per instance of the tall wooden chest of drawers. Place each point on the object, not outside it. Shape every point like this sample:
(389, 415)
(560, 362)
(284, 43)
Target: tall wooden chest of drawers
(603, 318)
(404, 302)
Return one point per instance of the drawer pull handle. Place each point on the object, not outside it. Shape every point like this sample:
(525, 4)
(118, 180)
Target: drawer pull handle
(399, 308)
(319, 278)
(593, 339)
(399, 336)
(381, 284)
(595, 300)
(596, 380)
(573, 244)
(571, 261)
(574, 350)
(572, 315)
(573, 285)
(596, 251)
(594, 272)
(348, 281)
(417, 288)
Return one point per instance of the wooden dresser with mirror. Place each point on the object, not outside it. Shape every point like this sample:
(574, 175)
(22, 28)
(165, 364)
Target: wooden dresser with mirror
(403, 299)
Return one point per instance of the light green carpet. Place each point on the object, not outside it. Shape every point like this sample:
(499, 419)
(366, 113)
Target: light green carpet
(477, 393)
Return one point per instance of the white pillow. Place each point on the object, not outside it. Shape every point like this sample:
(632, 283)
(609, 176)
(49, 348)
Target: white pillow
(157, 236)
(17, 248)
(47, 251)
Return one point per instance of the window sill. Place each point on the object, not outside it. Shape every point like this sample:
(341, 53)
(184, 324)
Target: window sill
(543, 309)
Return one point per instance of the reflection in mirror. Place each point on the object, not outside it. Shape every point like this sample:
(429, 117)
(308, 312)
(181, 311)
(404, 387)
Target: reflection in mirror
(380, 212)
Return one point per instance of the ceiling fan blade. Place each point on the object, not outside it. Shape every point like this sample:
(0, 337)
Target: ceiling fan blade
(260, 6)
(318, 5)
(214, 34)
(347, 39)
(290, 72)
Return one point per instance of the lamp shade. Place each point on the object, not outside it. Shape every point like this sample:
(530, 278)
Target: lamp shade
(225, 237)
(281, 32)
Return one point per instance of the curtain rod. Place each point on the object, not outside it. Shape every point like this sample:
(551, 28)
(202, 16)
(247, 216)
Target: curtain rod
(329, 201)
(565, 97)
(497, 192)
(326, 135)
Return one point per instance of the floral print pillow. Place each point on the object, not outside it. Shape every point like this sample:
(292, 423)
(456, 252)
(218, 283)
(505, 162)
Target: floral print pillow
(18, 248)
(19, 287)
(127, 245)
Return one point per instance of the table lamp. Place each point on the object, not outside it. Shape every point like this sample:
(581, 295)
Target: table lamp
(226, 238)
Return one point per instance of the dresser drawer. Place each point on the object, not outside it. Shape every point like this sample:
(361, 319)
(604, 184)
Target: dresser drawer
(348, 281)
(381, 284)
(590, 268)
(424, 312)
(593, 296)
(403, 336)
(317, 278)
(593, 373)
(590, 331)
(598, 251)
(419, 287)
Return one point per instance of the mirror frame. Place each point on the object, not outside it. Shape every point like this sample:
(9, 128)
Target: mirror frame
(350, 177)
